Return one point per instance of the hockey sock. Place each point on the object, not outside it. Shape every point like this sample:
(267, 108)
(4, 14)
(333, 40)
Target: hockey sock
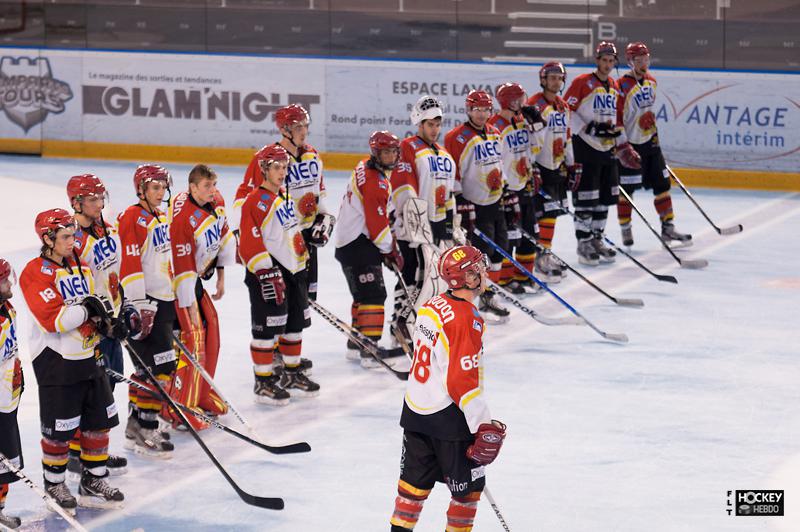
(261, 352)
(54, 460)
(94, 451)
(547, 228)
(370, 320)
(461, 513)
(663, 203)
(3, 495)
(408, 505)
(290, 345)
(495, 272)
(527, 261)
(599, 218)
(624, 210)
(354, 322)
(75, 445)
(506, 272)
(146, 406)
(583, 223)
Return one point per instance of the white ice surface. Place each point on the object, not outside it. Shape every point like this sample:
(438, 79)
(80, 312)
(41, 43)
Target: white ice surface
(646, 436)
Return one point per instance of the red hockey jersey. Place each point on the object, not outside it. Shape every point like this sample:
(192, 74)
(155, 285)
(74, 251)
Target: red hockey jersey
(592, 100)
(146, 268)
(364, 209)
(636, 107)
(552, 145)
(515, 149)
(99, 248)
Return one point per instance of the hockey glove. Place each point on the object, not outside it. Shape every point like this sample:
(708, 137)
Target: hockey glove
(147, 315)
(602, 129)
(321, 230)
(628, 157)
(536, 179)
(467, 211)
(130, 316)
(488, 441)
(273, 289)
(574, 173)
(393, 257)
(533, 117)
(510, 203)
(98, 307)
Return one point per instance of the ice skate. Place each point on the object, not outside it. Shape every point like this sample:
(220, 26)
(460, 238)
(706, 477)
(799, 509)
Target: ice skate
(514, 288)
(9, 521)
(673, 238)
(305, 363)
(587, 254)
(61, 494)
(147, 442)
(95, 492)
(296, 382)
(627, 234)
(548, 267)
(269, 392)
(605, 253)
(390, 356)
(490, 309)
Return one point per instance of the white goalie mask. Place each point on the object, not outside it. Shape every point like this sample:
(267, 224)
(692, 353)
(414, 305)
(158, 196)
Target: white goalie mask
(426, 108)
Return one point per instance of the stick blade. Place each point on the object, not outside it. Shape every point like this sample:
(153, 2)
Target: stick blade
(269, 503)
(292, 448)
(667, 278)
(694, 264)
(568, 320)
(734, 229)
(616, 337)
(629, 302)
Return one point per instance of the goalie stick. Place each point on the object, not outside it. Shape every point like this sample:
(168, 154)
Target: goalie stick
(692, 264)
(270, 503)
(362, 341)
(615, 337)
(622, 301)
(732, 230)
(301, 447)
(48, 500)
(660, 277)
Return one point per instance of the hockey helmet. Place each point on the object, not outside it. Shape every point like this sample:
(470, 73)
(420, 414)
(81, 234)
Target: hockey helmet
(290, 115)
(636, 49)
(426, 108)
(478, 98)
(509, 93)
(271, 153)
(457, 261)
(48, 222)
(85, 185)
(552, 67)
(605, 48)
(146, 173)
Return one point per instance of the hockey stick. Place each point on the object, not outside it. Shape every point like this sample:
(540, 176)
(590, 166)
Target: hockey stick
(270, 503)
(660, 277)
(301, 447)
(616, 337)
(625, 302)
(48, 500)
(401, 339)
(693, 264)
(363, 342)
(502, 292)
(732, 230)
(210, 380)
(491, 500)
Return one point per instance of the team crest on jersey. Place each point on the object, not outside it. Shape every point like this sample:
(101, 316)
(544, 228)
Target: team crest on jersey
(383, 185)
(142, 221)
(193, 221)
(47, 270)
(440, 196)
(261, 207)
(299, 244)
(307, 204)
(477, 325)
(494, 180)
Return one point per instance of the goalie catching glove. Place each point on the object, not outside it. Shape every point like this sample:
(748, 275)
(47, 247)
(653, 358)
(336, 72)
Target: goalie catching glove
(488, 441)
(629, 157)
(321, 230)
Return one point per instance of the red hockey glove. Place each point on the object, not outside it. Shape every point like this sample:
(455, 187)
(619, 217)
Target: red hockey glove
(574, 173)
(17, 381)
(488, 441)
(393, 257)
(273, 289)
(536, 179)
(467, 211)
(628, 157)
(147, 315)
(510, 203)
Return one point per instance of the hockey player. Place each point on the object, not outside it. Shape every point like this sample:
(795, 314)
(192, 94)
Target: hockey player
(11, 385)
(74, 392)
(146, 277)
(448, 433)
(518, 201)
(274, 253)
(306, 187)
(202, 245)
(97, 245)
(475, 146)
(636, 107)
(598, 140)
(425, 171)
(555, 162)
(364, 239)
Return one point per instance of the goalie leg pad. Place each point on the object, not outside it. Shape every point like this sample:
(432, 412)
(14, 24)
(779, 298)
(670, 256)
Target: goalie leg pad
(208, 398)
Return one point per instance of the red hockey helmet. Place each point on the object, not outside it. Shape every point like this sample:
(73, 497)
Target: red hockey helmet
(271, 153)
(636, 49)
(552, 67)
(6, 270)
(290, 115)
(478, 98)
(48, 222)
(382, 140)
(605, 48)
(146, 173)
(510, 93)
(85, 185)
(457, 261)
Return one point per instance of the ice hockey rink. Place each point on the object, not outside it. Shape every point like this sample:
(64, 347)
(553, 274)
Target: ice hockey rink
(648, 436)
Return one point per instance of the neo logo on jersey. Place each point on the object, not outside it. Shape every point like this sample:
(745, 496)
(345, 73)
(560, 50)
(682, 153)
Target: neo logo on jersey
(72, 287)
(302, 171)
(518, 139)
(604, 101)
(29, 92)
(557, 120)
(437, 163)
(160, 237)
(486, 150)
(103, 252)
